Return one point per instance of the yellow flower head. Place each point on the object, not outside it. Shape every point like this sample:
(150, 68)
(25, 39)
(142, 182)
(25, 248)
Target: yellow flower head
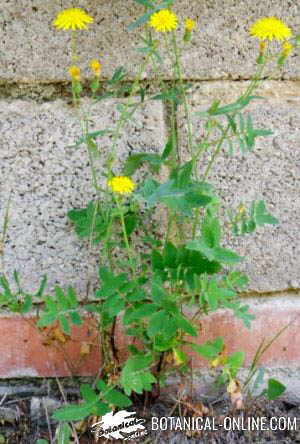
(163, 21)
(74, 18)
(74, 72)
(95, 67)
(287, 48)
(269, 28)
(121, 185)
(189, 24)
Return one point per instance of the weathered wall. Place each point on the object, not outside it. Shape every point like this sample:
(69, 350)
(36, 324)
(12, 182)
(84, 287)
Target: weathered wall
(47, 178)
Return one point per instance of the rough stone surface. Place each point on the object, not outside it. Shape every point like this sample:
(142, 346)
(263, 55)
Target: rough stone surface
(270, 172)
(39, 407)
(47, 179)
(32, 50)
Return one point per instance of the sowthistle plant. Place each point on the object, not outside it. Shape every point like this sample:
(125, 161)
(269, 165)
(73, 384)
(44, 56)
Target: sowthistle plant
(183, 267)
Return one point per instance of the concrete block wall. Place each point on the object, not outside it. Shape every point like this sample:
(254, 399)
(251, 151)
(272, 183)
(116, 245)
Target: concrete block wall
(47, 178)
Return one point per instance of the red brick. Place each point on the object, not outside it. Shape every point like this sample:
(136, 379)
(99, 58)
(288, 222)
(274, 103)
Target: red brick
(23, 352)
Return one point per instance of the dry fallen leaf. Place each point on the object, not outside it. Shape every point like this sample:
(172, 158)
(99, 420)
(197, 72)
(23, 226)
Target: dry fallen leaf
(236, 397)
(59, 335)
(85, 349)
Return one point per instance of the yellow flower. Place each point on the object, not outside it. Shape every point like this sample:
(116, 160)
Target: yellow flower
(163, 21)
(95, 67)
(74, 18)
(74, 72)
(241, 209)
(189, 24)
(121, 185)
(287, 48)
(269, 28)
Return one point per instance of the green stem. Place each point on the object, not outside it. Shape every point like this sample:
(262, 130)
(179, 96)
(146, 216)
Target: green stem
(185, 102)
(74, 46)
(124, 116)
(129, 251)
(253, 85)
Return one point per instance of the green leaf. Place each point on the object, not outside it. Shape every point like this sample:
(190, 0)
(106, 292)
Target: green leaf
(212, 295)
(142, 312)
(261, 215)
(275, 389)
(113, 396)
(196, 263)
(168, 149)
(158, 293)
(131, 222)
(232, 123)
(27, 304)
(226, 256)
(218, 254)
(211, 231)
(110, 282)
(42, 287)
(235, 361)
(46, 319)
(158, 323)
(114, 304)
(73, 412)
(64, 324)
(75, 318)
(90, 222)
(157, 260)
(57, 308)
(237, 279)
(88, 394)
(178, 195)
(201, 246)
(93, 135)
(64, 434)
(100, 409)
(135, 376)
(117, 76)
(214, 106)
(61, 298)
(170, 255)
(145, 3)
(185, 325)
(210, 349)
(135, 161)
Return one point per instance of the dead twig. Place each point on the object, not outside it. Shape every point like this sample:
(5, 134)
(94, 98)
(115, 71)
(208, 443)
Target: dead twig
(3, 398)
(65, 401)
(48, 422)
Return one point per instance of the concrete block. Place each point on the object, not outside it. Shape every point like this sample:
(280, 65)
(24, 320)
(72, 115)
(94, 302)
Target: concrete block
(47, 179)
(270, 172)
(33, 51)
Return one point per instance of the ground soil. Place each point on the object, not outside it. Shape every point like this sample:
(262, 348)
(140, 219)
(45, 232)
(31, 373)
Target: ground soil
(26, 430)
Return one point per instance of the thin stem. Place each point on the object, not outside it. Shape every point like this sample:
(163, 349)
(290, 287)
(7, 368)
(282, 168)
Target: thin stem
(185, 102)
(74, 46)
(4, 231)
(124, 116)
(129, 251)
(253, 85)
(216, 152)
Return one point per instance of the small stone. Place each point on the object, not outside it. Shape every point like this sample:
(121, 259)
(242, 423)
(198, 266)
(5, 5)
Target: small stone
(39, 406)
(8, 415)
